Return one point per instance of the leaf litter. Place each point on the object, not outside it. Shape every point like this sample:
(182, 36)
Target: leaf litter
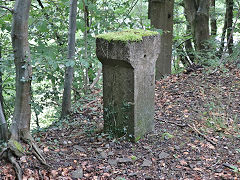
(197, 136)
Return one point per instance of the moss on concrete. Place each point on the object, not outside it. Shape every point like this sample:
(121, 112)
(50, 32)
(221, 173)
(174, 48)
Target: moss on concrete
(127, 35)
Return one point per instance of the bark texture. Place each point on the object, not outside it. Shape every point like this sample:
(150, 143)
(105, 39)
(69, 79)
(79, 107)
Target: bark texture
(160, 13)
(86, 31)
(213, 18)
(3, 123)
(22, 112)
(229, 13)
(228, 25)
(188, 45)
(197, 12)
(1, 81)
(20, 128)
(66, 102)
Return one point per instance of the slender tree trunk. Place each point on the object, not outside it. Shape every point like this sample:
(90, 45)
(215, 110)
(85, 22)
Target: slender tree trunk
(3, 126)
(3, 123)
(213, 19)
(188, 45)
(22, 112)
(20, 127)
(182, 56)
(1, 81)
(197, 12)
(229, 7)
(66, 102)
(160, 13)
(86, 21)
(223, 36)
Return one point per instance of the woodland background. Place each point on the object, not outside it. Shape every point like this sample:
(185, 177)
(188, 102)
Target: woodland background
(204, 40)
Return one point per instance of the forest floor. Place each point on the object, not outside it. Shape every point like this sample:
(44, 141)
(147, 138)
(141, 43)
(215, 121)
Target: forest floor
(197, 136)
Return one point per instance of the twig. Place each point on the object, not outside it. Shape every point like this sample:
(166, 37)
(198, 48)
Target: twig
(86, 105)
(216, 163)
(193, 127)
(230, 166)
(40, 174)
(134, 4)
(183, 42)
(171, 122)
(96, 79)
(3, 16)
(7, 8)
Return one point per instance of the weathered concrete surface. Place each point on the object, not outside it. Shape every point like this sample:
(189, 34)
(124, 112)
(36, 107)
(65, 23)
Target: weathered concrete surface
(128, 85)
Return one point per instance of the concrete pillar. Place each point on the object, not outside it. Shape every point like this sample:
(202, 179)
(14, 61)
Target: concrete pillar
(128, 81)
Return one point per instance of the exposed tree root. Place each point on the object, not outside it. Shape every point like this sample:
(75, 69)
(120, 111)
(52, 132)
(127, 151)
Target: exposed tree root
(15, 150)
(27, 138)
(15, 164)
(38, 154)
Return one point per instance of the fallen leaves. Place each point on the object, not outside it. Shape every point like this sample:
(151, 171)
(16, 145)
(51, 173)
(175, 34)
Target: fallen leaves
(172, 152)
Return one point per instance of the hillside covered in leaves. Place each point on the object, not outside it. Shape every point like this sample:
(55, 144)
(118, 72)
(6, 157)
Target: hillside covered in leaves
(197, 136)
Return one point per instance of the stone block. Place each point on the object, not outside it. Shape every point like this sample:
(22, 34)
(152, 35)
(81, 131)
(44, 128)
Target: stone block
(128, 81)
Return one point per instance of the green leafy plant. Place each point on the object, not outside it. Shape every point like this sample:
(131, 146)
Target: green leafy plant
(167, 135)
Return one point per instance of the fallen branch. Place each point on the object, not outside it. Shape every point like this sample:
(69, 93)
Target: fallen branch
(91, 102)
(99, 72)
(171, 122)
(193, 127)
(77, 91)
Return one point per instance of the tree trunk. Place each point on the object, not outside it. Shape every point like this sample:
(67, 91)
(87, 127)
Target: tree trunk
(213, 18)
(3, 123)
(1, 87)
(20, 127)
(220, 52)
(3, 126)
(197, 12)
(66, 102)
(160, 13)
(86, 31)
(229, 10)
(22, 112)
(188, 45)
(182, 56)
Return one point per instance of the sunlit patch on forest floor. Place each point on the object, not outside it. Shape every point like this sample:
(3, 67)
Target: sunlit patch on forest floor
(197, 136)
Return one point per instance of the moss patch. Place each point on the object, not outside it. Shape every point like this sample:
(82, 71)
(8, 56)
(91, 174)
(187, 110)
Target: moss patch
(127, 35)
(16, 147)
